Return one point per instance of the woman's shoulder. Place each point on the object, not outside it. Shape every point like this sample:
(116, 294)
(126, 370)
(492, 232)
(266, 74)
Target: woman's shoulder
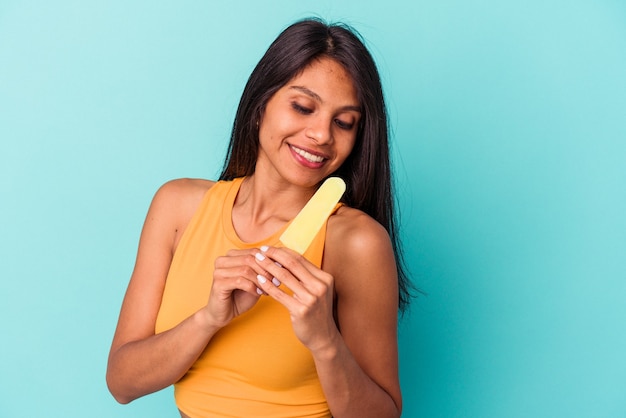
(175, 203)
(358, 250)
(180, 198)
(185, 187)
(183, 192)
(355, 230)
(353, 239)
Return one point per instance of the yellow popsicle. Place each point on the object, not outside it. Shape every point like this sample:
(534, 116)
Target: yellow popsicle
(307, 223)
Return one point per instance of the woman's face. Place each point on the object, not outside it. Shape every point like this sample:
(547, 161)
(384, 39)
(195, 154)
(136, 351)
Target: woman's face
(309, 126)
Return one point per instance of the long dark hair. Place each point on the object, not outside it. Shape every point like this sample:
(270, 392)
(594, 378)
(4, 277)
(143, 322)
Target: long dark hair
(366, 171)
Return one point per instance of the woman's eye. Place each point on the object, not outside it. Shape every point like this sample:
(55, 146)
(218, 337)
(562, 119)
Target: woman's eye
(301, 109)
(344, 125)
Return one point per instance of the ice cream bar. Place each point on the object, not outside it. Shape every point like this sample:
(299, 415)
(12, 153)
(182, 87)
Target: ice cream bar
(305, 226)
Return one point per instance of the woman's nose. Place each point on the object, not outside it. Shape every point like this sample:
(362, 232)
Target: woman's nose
(319, 130)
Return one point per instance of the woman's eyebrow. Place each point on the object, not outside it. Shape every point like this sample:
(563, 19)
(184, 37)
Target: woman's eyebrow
(308, 92)
(317, 97)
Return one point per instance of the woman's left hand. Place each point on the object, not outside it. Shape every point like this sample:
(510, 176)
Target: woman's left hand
(311, 304)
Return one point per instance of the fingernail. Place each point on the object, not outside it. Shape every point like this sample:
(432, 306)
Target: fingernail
(261, 279)
(278, 264)
(259, 256)
(264, 248)
(259, 291)
(276, 281)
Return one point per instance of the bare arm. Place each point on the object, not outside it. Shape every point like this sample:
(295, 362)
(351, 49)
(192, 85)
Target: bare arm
(360, 373)
(141, 362)
(357, 362)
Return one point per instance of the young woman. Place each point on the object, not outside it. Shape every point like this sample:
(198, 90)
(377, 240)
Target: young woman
(241, 325)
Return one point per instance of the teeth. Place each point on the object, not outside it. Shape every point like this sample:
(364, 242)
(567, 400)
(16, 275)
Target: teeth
(308, 156)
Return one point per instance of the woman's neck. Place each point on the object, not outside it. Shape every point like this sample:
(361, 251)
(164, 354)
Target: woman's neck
(263, 207)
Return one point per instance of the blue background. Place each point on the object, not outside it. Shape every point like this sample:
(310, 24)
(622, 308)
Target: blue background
(509, 137)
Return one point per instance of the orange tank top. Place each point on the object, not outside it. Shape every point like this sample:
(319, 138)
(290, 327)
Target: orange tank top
(255, 366)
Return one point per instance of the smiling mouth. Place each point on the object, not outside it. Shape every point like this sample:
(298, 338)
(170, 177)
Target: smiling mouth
(307, 155)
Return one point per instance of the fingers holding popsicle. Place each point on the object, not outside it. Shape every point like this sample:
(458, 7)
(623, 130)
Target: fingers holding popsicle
(234, 289)
(310, 300)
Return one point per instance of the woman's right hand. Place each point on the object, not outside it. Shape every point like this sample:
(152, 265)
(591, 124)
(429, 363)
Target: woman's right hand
(234, 290)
